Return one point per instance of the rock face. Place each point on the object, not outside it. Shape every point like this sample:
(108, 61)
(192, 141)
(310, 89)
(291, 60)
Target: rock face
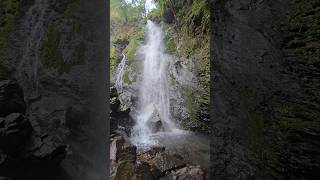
(21, 147)
(55, 51)
(14, 132)
(119, 116)
(265, 97)
(11, 98)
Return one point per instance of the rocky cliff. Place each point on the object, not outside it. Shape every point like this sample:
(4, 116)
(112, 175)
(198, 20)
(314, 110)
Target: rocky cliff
(265, 89)
(56, 51)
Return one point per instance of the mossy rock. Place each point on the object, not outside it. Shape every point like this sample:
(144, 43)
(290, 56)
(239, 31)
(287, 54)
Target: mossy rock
(9, 10)
(51, 55)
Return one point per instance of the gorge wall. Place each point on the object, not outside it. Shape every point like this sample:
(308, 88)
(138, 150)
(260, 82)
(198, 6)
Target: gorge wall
(56, 51)
(265, 89)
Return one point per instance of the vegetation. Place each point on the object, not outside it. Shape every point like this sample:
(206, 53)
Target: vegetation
(9, 10)
(113, 60)
(51, 55)
(127, 32)
(305, 23)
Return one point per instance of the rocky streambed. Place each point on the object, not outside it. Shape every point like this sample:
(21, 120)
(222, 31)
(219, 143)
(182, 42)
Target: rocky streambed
(129, 162)
(176, 155)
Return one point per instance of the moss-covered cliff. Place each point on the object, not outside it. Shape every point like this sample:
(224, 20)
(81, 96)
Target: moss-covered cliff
(55, 51)
(265, 89)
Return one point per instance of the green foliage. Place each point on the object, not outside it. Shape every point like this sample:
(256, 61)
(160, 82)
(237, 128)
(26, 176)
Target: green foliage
(113, 60)
(200, 8)
(189, 52)
(131, 49)
(157, 12)
(122, 10)
(9, 11)
(170, 46)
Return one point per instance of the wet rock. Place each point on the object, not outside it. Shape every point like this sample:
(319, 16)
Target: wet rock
(167, 162)
(155, 122)
(123, 158)
(74, 116)
(120, 150)
(186, 173)
(142, 170)
(45, 150)
(11, 98)
(150, 154)
(114, 104)
(125, 171)
(119, 114)
(14, 131)
(189, 172)
(263, 76)
(113, 92)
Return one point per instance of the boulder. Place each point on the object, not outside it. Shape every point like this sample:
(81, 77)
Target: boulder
(167, 162)
(43, 149)
(11, 98)
(190, 172)
(142, 170)
(125, 171)
(121, 149)
(123, 158)
(155, 122)
(14, 131)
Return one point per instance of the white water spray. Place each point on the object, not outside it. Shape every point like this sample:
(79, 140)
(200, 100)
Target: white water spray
(154, 91)
(119, 73)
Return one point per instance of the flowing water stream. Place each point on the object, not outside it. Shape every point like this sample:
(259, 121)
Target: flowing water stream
(119, 73)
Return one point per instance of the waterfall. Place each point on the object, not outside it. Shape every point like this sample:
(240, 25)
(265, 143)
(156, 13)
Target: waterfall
(153, 109)
(29, 63)
(119, 73)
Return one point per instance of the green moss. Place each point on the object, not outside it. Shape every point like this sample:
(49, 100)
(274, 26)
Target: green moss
(126, 77)
(51, 56)
(189, 103)
(50, 53)
(189, 52)
(9, 11)
(297, 118)
(130, 50)
(170, 46)
(72, 9)
(305, 18)
(113, 60)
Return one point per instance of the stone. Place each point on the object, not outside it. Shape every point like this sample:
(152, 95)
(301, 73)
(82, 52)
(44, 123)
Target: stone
(185, 173)
(14, 131)
(11, 98)
(44, 150)
(142, 170)
(155, 122)
(167, 162)
(125, 171)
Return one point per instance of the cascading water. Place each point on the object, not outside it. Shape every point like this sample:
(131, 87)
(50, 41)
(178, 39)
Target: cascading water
(119, 73)
(153, 111)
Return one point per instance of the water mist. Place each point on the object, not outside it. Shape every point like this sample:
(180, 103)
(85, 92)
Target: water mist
(154, 89)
